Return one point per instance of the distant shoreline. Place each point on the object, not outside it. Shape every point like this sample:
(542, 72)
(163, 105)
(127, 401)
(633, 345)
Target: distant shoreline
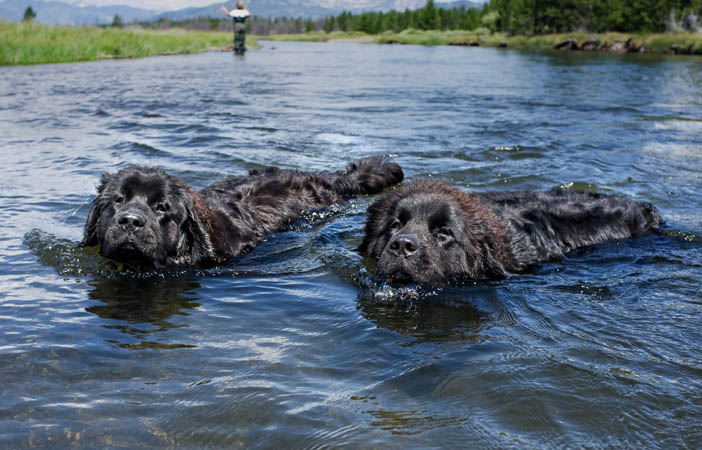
(674, 43)
(29, 43)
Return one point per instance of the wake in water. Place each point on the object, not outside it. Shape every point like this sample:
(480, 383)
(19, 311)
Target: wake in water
(71, 259)
(317, 241)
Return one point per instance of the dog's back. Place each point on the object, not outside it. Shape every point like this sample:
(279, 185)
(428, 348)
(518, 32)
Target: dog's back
(242, 210)
(547, 225)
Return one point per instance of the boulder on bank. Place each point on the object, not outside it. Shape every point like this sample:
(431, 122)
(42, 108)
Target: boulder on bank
(590, 46)
(627, 46)
(465, 44)
(617, 46)
(633, 47)
(568, 44)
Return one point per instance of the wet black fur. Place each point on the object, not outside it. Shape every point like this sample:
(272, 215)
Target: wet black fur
(144, 215)
(430, 232)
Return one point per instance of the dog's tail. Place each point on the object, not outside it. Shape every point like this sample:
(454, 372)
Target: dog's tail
(368, 176)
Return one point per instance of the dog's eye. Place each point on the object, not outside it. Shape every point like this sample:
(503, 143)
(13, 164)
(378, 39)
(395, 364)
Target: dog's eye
(395, 225)
(444, 235)
(162, 207)
(119, 200)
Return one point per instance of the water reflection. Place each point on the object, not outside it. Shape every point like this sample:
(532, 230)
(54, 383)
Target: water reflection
(412, 422)
(427, 319)
(143, 307)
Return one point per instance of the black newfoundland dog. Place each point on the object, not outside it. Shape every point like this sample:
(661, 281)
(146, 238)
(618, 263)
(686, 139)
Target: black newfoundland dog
(430, 232)
(144, 215)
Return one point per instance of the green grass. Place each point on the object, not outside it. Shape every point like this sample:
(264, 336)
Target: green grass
(688, 43)
(35, 43)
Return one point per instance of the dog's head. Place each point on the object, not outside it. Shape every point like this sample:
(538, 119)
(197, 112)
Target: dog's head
(144, 215)
(429, 232)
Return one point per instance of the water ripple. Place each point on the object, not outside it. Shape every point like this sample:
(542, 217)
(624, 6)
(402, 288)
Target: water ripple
(297, 345)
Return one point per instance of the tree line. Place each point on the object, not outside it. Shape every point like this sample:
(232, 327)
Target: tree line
(558, 16)
(427, 18)
(531, 17)
(513, 17)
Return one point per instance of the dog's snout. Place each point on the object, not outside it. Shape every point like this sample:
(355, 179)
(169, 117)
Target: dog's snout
(404, 244)
(132, 219)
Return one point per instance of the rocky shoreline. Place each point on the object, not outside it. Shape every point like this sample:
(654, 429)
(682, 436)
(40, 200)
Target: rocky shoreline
(679, 44)
(618, 46)
(627, 46)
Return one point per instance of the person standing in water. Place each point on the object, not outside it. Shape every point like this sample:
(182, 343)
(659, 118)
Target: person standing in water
(240, 14)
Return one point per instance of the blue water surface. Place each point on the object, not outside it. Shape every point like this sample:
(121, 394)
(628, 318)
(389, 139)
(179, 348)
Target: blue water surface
(296, 345)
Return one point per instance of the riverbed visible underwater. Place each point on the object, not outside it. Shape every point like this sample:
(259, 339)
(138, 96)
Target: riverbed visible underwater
(296, 345)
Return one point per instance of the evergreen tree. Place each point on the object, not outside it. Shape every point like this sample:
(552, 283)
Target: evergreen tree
(29, 14)
(430, 19)
(329, 24)
(117, 21)
(411, 19)
(342, 22)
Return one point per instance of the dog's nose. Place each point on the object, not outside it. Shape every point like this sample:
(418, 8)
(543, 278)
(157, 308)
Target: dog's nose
(131, 218)
(404, 244)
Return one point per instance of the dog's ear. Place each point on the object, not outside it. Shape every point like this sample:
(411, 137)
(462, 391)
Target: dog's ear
(96, 207)
(378, 215)
(492, 265)
(486, 253)
(105, 180)
(198, 246)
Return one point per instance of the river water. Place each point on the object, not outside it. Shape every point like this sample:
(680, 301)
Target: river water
(295, 345)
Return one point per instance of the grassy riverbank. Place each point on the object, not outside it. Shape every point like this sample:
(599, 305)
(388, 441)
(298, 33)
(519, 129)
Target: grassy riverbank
(687, 43)
(35, 43)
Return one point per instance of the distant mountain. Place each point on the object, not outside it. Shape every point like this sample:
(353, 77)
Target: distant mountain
(57, 13)
(260, 8)
(387, 5)
(309, 8)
